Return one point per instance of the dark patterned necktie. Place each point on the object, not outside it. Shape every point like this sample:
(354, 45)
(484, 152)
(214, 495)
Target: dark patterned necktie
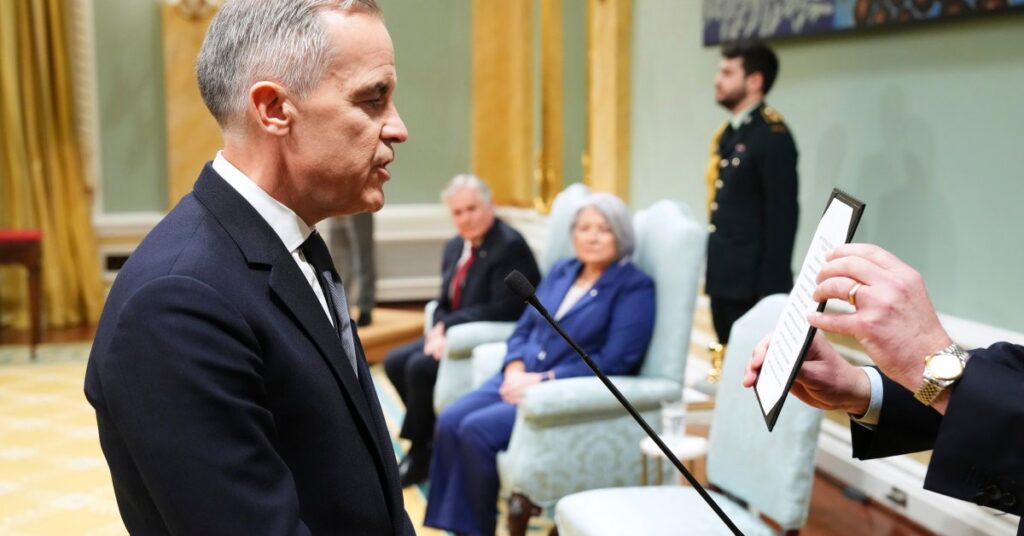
(317, 254)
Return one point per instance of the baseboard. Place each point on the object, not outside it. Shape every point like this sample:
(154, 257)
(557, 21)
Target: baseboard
(117, 236)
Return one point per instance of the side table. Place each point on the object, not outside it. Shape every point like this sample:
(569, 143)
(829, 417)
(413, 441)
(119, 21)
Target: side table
(688, 449)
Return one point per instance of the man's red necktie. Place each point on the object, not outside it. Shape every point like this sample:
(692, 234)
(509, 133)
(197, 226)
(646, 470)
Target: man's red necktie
(459, 280)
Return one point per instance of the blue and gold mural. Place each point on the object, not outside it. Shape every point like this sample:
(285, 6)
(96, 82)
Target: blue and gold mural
(735, 20)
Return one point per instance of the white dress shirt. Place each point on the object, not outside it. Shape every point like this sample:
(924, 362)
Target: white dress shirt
(289, 227)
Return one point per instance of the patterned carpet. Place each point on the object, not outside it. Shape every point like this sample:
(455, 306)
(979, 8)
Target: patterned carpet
(53, 478)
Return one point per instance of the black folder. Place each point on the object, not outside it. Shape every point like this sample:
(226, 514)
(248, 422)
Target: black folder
(771, 415)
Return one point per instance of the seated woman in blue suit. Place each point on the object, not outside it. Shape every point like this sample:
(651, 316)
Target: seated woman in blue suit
(604, 302)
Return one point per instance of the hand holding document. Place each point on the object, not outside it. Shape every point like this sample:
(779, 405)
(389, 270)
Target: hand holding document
(793, 334)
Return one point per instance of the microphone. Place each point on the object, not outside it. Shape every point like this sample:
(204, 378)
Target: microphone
(521, 287)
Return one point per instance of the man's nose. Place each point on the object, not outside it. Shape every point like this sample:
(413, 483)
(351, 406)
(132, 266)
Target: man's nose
(394, 129)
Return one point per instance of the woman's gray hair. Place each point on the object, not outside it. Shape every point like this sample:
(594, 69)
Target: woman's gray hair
(619, 219)
(283, 41)
(466, 180)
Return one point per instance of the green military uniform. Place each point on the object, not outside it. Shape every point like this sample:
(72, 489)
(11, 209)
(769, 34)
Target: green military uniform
(753, 215)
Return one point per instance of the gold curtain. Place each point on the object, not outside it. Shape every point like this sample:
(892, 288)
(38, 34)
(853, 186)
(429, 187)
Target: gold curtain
(41, 172)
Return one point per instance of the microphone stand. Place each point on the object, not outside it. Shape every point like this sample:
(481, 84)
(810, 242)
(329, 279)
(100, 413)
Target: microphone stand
(532, 300)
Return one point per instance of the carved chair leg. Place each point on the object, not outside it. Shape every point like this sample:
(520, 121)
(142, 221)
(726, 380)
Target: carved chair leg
(520, 510)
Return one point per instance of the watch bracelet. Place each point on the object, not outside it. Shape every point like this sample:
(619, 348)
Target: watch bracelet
(931, 389)
(928, 392)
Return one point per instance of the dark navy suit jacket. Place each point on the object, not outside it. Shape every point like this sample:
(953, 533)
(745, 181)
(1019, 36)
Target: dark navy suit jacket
(613, 323)
(224, 399)
(485, 297)
(754, 218)
(978, 443)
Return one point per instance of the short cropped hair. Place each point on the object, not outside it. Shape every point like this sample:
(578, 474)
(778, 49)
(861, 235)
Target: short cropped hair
(757, 58)
(619, 219)
(284, 41)
(466, 180)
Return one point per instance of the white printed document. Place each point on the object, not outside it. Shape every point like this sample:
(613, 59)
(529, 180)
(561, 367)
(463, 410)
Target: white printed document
(793, 334)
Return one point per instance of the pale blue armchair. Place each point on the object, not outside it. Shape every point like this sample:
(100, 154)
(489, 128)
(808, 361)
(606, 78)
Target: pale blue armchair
(456, 373)
(572, 435)
(772, 472)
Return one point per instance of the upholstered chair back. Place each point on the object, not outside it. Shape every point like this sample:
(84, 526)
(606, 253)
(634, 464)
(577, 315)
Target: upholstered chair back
(558, 239)
(670, 247)
(771, 471)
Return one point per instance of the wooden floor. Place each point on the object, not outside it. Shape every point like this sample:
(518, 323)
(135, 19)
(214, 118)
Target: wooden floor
(832, 513)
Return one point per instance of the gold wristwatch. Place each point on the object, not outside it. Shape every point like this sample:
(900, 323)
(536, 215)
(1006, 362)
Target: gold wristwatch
(941, 370)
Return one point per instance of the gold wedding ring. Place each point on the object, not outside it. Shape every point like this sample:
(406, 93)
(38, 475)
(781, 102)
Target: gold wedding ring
(852, 295)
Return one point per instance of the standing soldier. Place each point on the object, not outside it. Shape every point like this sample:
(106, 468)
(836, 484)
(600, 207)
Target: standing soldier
(752, 190)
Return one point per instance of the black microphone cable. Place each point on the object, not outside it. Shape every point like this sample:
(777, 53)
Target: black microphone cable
(519, 285)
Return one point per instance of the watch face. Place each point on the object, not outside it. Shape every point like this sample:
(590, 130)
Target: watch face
(944, 367)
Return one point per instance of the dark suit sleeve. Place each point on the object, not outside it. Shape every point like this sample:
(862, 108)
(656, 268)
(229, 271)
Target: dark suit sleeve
(904, 425)
(976, 444)
(978, 451)
(520, 335)
(502, 305)
(530, 319)
(187, 394)
(777, 170)
(629, 334)
(450, 256)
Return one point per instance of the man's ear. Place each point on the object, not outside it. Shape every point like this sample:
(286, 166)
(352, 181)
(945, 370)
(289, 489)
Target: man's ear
(271, 105)
(755, 82)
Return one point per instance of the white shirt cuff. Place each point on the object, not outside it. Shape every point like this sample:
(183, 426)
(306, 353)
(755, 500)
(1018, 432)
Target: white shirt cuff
(870, 417)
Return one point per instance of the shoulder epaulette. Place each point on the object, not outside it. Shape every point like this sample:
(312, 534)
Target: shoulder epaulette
(771, 115)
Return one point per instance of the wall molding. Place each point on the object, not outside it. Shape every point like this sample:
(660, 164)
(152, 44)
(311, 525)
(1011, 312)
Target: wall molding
(125, 224)
(879, 478)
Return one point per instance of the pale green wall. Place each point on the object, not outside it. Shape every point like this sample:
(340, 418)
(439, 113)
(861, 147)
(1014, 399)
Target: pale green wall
(434, 63)
(924, 125)
(129, 73)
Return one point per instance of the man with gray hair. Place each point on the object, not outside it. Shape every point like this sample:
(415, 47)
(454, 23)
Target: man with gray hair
(473, 269)
(231, 391)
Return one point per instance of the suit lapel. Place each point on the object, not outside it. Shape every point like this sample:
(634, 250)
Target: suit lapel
(481, 263)
(602, 285)
(261, 248)
(287, 283)
(561, 286)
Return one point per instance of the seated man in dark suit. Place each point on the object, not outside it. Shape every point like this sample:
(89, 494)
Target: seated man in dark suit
(473, 268)
(926, 392)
